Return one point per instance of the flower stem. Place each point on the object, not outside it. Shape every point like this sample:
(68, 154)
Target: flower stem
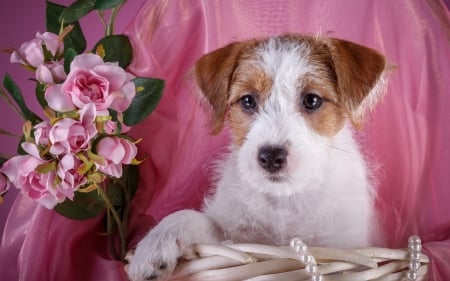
(9, 134)
(4, 156)
(12, 105)
(109, 232)
(101, 14)
(119, 223)
(126, 201)
(112, 19)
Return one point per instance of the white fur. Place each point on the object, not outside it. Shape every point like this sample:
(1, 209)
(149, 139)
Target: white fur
(324, 195)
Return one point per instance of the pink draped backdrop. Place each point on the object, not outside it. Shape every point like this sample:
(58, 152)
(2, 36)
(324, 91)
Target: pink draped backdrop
(408, 135)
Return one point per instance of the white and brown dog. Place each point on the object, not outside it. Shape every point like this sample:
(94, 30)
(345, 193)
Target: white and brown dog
(294, 168)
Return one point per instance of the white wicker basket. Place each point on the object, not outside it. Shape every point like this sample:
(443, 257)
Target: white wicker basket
(257, 262)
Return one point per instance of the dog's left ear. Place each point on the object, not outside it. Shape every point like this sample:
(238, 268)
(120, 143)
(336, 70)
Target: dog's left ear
(360, 75)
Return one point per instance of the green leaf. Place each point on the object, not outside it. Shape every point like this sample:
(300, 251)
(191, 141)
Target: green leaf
(2, 160)
(117, 48)
(16, 94)
(47, 54)
(148, 95)
(69, 55)
(107, 4)
(76, 10)
(40, 94)
(52, 12)
(131, 178)
(84, 206)
(75, 39)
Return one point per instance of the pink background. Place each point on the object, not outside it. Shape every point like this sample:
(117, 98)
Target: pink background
(19, 23)
(409, 131)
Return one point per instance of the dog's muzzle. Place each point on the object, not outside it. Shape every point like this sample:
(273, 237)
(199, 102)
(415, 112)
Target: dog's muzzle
(272, 158)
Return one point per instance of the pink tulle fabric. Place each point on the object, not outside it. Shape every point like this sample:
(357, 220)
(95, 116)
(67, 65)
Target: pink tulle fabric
(408, 135)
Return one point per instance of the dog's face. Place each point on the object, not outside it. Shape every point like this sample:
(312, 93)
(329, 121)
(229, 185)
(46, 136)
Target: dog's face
(285, 99)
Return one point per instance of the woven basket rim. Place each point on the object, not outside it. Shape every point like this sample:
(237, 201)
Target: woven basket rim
(259, 262)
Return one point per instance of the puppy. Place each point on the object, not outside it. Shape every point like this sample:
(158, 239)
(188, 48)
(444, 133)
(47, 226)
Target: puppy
(294, 168)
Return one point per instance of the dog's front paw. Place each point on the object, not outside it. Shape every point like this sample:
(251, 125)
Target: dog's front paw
(155, 258)
(156, 255)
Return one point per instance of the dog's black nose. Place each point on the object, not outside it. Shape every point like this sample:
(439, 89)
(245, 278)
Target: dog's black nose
(272, 158)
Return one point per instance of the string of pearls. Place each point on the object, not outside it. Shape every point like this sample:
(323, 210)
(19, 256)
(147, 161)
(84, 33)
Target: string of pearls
(414, 248)
(306, 258)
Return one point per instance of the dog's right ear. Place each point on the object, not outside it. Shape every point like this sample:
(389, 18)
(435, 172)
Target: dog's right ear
(213, 73)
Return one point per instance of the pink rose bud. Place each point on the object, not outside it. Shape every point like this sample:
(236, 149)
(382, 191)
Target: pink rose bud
(41, 132)
(116, 151)
(51, 42)
(4, 183)
(50, 72)
(111, 127)
(92, 81)
(32, 52)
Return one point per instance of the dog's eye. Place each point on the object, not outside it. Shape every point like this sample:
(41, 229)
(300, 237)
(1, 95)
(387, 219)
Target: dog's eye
(312, 101)
(248, 103)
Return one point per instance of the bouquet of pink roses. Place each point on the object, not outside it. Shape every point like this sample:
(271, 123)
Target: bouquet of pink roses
(79, 160)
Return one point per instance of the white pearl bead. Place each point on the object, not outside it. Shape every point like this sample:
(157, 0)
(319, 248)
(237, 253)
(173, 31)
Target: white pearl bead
(414, 240)
(306, 258)
(295, 241)
(316, 277)
(301, 248)
(415, 247)
(415, 256)
(411, 275)
(414, 265)
(311, 268)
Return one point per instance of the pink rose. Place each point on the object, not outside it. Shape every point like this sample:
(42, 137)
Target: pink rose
(4, 183)
(32, 52)
(50, 72)
(111, 127)
(41, 132)
(49, 188)
(69, 136)
(21, 171)
(92, 81)
(116, 151)
(70, 179)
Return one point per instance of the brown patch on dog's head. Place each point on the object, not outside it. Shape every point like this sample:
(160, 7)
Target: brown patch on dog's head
(247, 79)
(350, 78)
(330, 117)
(359, 72)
